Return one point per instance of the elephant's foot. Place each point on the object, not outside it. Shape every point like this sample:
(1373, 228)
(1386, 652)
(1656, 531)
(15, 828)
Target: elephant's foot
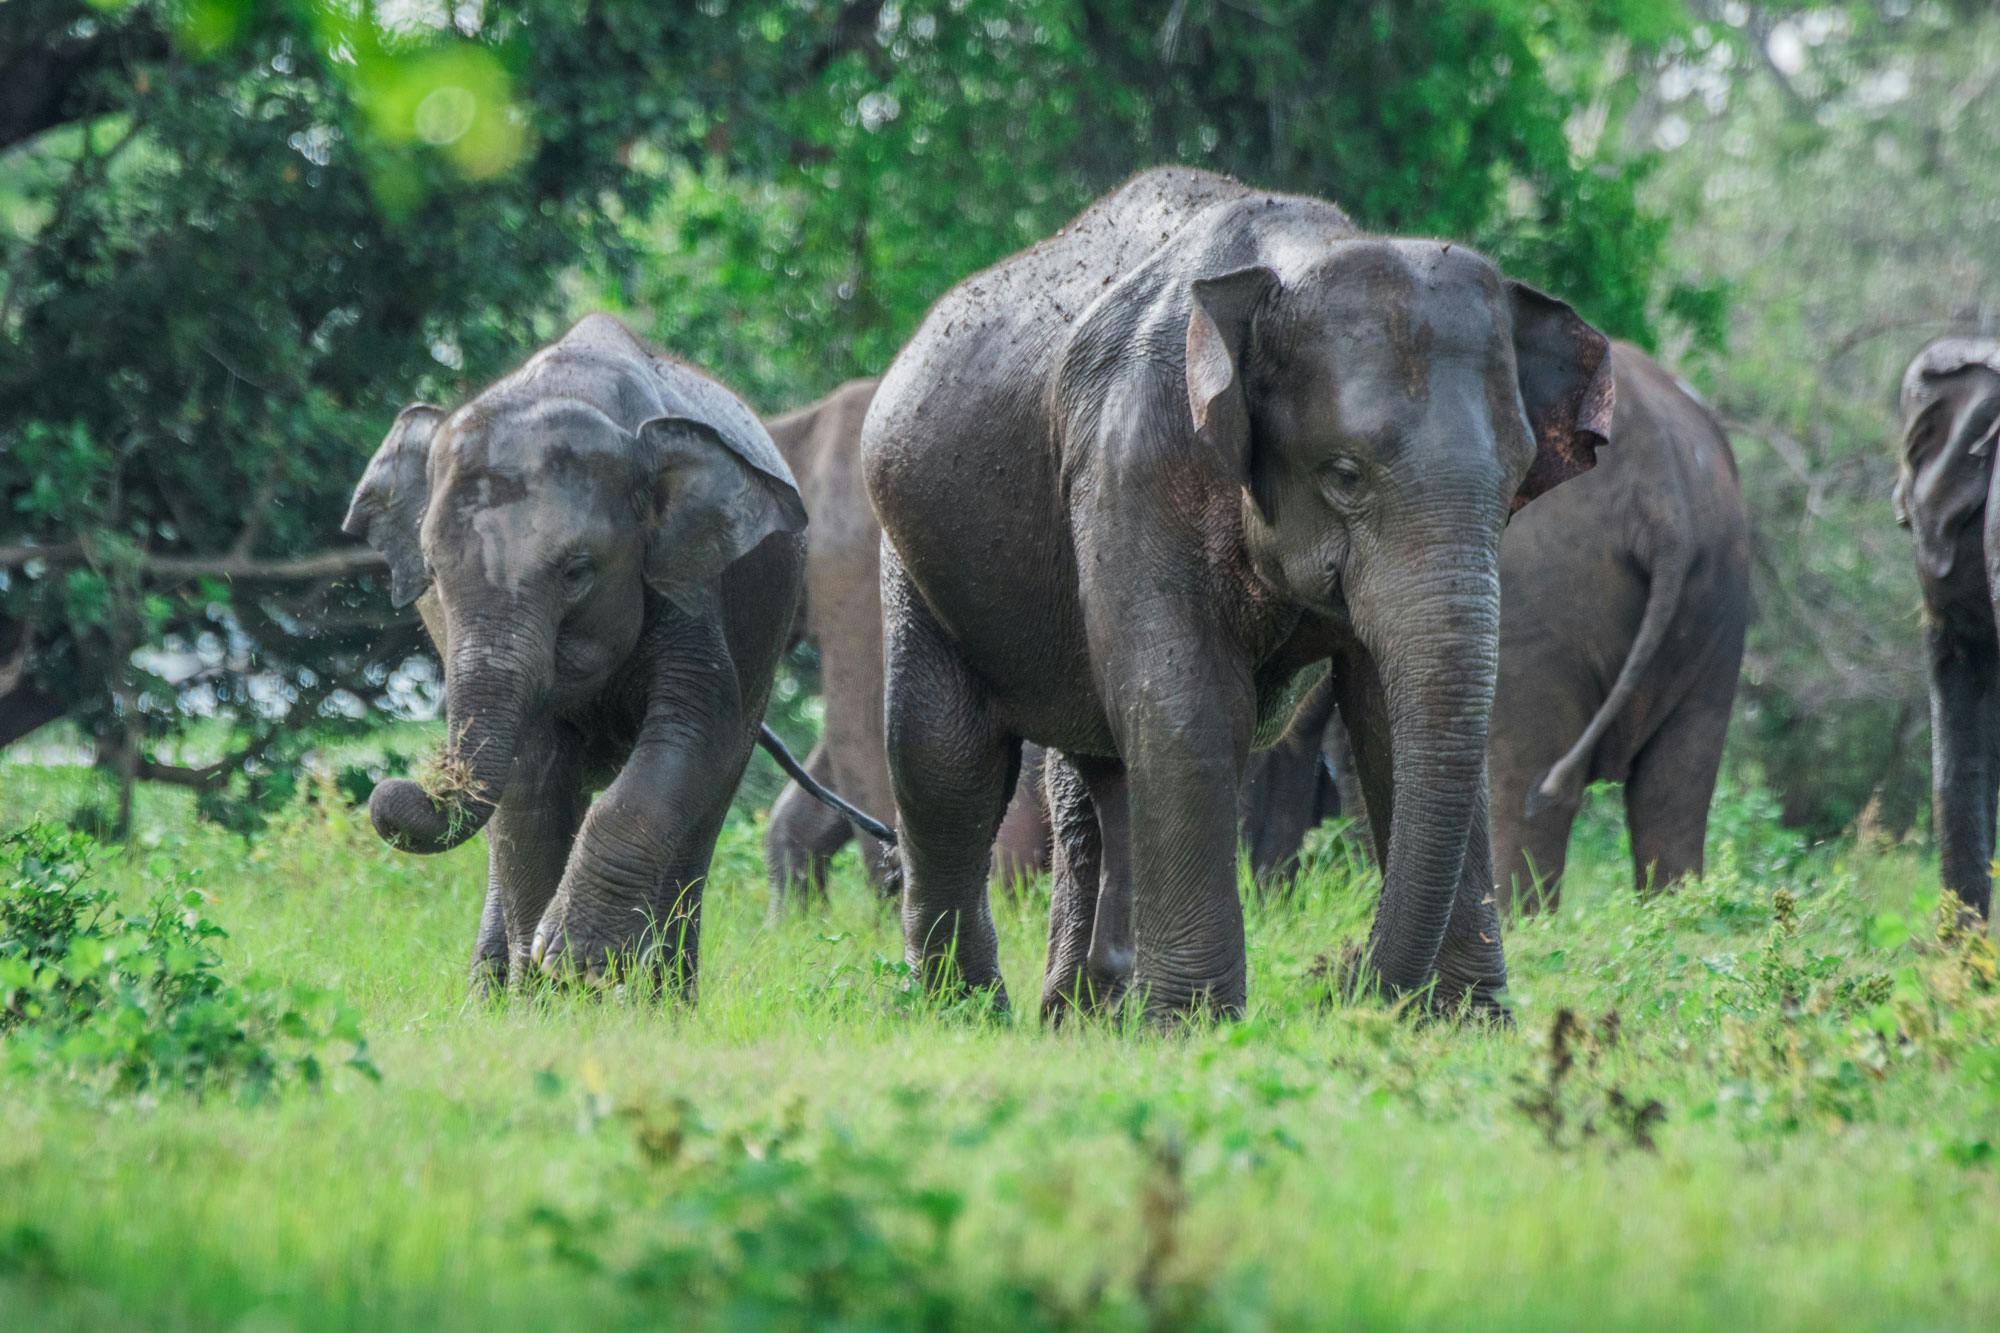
(1177, 1002)
(949, 979)
(1449, 995)
(1086, 992)
(595, 948)
(487, 978)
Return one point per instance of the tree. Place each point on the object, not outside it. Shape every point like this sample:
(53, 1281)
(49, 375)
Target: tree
(238, 236)
(1835, 165)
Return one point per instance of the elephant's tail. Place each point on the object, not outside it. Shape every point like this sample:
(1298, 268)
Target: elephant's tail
(795, 770)
(1564, 782)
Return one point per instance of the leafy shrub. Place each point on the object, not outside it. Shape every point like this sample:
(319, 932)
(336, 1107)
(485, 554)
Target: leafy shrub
(775, 1223)
(133, 1001)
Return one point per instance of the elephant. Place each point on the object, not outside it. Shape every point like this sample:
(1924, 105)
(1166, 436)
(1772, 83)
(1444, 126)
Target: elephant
(1624, 600)
(608, 552)
(1144, 484)
(1291, 789)
(1950, 405)
(841, 614)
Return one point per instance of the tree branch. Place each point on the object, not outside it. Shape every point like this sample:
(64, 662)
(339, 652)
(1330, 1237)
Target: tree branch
(320, 565)
(50, 79)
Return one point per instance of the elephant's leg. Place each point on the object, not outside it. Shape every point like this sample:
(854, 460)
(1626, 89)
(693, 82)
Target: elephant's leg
(803, 836)
(1338, 751)
(1184, 736)
(1533, 728)
(489, 952)
(1091, 946)
(1075, 863)
(528, 844)
(1113, 943)
(1022, 847)
(953, 768)
(1280, 800)
(1529, 854)
(1963, 776)
(632, 890)
(1669, 790)
(1529, 851)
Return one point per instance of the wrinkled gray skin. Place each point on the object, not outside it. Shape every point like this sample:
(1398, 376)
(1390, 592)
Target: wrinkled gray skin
(607, 546)
(1137, 485)
(1624, 598)
(1951, 420)
(841, 614)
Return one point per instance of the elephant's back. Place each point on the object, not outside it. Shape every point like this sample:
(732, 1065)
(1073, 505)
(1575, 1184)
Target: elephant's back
(959, 449)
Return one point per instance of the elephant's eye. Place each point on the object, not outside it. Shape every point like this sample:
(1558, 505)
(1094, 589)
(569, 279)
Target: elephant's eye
(577, 573)
(1340, 476)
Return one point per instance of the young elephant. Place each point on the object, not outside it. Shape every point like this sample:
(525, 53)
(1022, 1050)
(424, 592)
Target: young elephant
(1138, 484)
(841, 613)
(1951, 420)
(611, 549)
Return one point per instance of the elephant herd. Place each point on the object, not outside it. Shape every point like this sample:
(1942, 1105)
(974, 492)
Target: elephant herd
(1164, 534)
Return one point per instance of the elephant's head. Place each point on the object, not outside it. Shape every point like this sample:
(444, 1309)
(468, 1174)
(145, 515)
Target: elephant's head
(540, 527)
(1951, 418)
(1386, 409)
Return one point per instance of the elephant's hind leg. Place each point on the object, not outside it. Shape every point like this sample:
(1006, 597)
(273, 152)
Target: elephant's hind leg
(803, 837)
(953, 768)
(1668, 793)
(1091, 951)
(1529, 852)
(489, 952)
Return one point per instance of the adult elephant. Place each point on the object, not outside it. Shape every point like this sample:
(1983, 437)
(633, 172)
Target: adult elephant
(1624, 599)
(1140, 484)
(841, 615)
(608, 552)
(1951, 420)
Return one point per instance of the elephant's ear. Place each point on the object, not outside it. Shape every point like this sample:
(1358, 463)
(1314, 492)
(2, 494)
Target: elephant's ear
(716, 494)
(1218, 341)
(1947, 461)
(388, 505)
(1566, 388)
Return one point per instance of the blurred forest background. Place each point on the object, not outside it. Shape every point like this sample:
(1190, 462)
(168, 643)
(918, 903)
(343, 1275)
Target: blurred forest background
(237, 235)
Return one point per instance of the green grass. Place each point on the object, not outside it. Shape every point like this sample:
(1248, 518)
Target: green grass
(813, 1146)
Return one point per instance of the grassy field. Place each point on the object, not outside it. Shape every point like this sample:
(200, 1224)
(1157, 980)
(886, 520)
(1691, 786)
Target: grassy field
(1774, 1103)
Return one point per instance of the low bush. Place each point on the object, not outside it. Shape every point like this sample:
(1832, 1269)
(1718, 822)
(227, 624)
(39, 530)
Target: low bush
(126, 1002)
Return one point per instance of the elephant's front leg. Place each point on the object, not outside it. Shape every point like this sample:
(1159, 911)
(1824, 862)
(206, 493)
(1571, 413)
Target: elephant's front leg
(1184, 734)
(632, 891)
(1964, 735)
(528, 846)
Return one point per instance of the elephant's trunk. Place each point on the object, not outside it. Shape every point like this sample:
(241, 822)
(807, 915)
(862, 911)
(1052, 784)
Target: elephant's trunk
(1437, 646)
(487, 698)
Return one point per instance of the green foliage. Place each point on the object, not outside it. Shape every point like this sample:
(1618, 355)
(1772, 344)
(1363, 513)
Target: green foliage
(252, 231)
(775, 1224)
(132, 1002)
(1832, 170)
(285, 222)
(824, 214)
